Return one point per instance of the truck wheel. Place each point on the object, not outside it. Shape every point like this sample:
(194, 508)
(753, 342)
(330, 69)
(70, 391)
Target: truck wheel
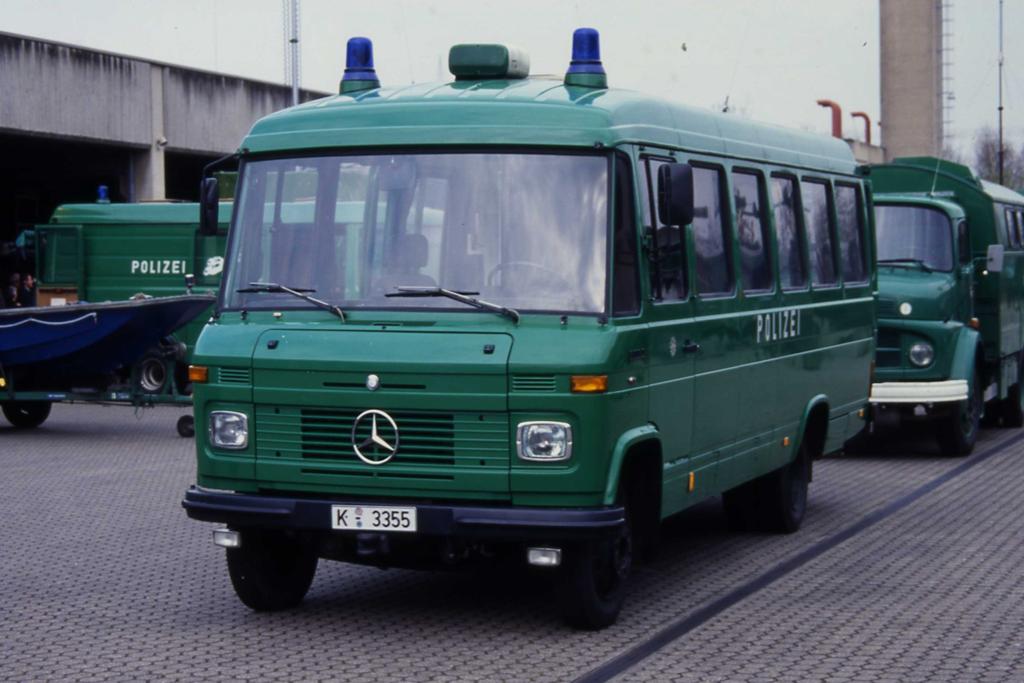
(271, 572)
(959, 432)
(1013, 405)
(27, 414)
(186, 426)
(594, 580)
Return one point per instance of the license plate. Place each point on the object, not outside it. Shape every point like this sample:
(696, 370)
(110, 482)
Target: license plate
(373, 518)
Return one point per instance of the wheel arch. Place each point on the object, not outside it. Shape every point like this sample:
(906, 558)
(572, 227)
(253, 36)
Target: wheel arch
(639, 443)
(813, 428)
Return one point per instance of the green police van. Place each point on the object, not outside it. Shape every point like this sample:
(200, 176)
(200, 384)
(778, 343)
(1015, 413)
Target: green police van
(112, 252)
(951, 299)
(561, 313)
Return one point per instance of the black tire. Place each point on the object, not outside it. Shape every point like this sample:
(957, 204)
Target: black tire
(783, 495)
(958, 432)
(27, 414)
(186, 426)
(594, 577)
(1012, 407)
(271, 572)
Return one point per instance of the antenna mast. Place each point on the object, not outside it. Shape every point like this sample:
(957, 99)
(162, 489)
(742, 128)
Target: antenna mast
(291, 54)
(1000, 92)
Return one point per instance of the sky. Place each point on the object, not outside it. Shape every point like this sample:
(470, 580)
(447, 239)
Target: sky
(766, 60)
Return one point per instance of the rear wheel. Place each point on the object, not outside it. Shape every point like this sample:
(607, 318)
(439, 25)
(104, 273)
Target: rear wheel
(271, 571)
(784, 495)
(1013, 405)
(959, 431)
(27, 414)
(775, 502)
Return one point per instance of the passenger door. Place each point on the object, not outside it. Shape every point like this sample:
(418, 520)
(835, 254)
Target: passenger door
(671, 356)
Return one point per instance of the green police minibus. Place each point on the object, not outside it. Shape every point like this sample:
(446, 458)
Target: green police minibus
(523, 320)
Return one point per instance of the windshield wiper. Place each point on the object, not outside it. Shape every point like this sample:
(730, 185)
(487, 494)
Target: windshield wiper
(467, 298)
(924, 266)
(303, 294)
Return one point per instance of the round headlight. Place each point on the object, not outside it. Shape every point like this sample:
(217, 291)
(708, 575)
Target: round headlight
(906, 308)
(922, 354)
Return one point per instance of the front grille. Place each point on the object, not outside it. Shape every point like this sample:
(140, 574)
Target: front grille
(427, 440)
(533, 383)
(887, 353)
(886, 308)
(235, 376)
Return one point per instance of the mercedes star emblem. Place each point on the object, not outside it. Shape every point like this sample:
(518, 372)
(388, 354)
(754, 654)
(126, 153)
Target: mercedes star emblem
(376, 449)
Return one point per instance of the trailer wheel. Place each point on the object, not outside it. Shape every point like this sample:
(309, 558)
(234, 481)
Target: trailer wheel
(959, 432)
(186, 426)
(27, 414)
(1013, 405)
(151, 373)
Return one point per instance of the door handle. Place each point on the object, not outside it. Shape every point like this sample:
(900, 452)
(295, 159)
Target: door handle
(690, 346)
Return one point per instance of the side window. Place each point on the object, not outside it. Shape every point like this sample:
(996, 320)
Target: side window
(851, 233)
(963, 242)
(752, 228)
(1012, 237)
(711, 241)
(667, 241)
(787, 233)
(626, 283)
(819, 233)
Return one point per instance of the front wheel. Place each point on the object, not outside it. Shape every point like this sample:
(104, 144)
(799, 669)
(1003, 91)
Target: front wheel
(959, 431)
(270, 571)
(27, 414)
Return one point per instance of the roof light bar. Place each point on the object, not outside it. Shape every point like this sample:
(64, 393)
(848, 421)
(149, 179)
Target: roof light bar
(585, 69)
(473, 61)
(359, 71)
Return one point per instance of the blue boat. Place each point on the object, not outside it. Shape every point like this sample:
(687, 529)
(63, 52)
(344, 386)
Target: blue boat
(77, 345)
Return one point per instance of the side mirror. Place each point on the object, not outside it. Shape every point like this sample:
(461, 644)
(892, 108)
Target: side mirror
(994, 258)
(675, 194)
(209, 206)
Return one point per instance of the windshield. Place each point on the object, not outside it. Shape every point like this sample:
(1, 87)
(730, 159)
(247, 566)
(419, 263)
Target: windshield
(914, 233)
(526, 231)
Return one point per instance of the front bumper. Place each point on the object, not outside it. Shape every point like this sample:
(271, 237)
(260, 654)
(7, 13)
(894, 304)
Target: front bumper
(242, 510)
(947, 391)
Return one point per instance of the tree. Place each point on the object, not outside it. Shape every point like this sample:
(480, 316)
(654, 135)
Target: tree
(986, 159)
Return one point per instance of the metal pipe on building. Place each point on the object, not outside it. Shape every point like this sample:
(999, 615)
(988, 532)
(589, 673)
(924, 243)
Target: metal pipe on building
(837, 117)
(867, 124)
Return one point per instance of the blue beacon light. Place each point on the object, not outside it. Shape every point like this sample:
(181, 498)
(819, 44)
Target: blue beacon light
(359, 71)
(586, 69)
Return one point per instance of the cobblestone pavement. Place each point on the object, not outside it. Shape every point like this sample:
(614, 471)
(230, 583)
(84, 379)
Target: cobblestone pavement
(102, 577)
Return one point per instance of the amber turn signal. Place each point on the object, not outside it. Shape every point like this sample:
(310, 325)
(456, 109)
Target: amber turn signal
(199, 374)
(588, 384)
(975, 323)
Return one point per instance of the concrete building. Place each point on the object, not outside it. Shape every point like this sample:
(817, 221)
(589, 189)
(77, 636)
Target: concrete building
(911, 77)
(72, 119)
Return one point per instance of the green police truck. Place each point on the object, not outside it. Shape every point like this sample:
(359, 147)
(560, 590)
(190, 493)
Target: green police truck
(951, 299)
(112, 252)
(561, 313)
